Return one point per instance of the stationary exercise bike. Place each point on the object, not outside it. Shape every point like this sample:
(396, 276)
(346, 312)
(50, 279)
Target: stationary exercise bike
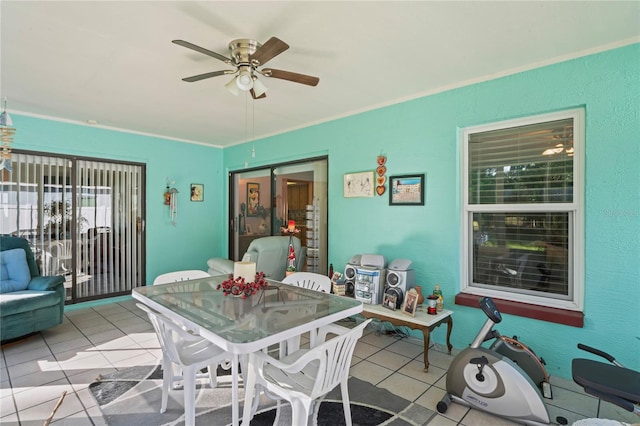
(487, 379)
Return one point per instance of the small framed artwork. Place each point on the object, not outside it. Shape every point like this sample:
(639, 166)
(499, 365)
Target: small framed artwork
(197, 192)
(406, 190)
(359, 184)
(390, 301)
(253, 198)
(410, 303)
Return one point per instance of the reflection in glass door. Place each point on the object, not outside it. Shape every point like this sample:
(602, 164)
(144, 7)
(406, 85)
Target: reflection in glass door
(252, 209)
(263, 200)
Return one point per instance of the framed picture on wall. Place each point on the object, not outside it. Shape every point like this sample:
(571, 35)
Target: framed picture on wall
(358, 184)
(253, 198)
(406, 190)
(197, 192)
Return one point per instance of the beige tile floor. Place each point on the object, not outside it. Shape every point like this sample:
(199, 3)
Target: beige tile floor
(35, 371)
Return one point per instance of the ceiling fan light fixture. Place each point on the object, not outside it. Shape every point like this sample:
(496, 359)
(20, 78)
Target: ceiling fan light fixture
(258, 88)
(232, 86)
(244, 81)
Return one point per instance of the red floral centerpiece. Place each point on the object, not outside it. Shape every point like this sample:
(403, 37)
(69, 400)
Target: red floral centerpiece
(239, 287)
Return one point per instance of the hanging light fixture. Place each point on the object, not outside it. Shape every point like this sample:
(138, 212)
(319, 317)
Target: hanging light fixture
(259, 89)
(232, 86)
(244, 80)
(6, 138)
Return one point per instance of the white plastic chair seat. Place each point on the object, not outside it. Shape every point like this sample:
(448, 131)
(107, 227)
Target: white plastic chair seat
(188, 352)
(307, 374)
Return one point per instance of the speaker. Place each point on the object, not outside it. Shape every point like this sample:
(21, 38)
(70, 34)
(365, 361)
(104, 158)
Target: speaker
(398, 293)
(400, 277)
(350, 275)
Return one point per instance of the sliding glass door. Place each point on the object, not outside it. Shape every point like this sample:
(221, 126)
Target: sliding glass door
(263, 200)
(83, 219)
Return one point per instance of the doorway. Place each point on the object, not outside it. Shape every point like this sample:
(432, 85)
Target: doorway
(263, 200)
(83, 219)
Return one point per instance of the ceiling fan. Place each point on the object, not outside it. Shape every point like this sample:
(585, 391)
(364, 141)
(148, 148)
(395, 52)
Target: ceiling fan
(248, 56)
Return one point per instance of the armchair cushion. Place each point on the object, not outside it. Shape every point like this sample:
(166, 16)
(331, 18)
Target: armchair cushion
(14, 271)
(42, 283)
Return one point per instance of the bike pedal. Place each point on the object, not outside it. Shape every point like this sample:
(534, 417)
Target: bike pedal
(546, 390)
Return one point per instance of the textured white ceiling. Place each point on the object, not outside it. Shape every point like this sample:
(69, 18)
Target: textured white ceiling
(114, 62)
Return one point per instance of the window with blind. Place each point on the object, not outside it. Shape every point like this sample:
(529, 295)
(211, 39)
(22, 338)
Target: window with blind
(522, 222)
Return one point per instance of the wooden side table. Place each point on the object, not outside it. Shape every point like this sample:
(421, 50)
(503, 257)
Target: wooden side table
(421, 321)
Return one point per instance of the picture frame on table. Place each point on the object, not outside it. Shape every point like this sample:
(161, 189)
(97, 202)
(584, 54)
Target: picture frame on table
(410, 303)
(406, 190)
(389, 301)
(197, 192)
(248, 229)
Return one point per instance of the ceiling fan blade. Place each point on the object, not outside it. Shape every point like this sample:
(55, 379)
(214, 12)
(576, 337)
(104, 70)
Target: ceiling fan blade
(201, 50)
(272, 48)
(291, 76)
(253, 95)
(207, 75)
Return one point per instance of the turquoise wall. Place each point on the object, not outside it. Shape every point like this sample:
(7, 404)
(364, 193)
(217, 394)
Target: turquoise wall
(422, 136)
(197, 235)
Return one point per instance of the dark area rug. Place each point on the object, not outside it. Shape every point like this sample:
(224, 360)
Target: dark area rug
(132, 397)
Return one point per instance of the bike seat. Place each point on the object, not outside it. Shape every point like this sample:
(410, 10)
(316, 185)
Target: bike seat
(617, 385)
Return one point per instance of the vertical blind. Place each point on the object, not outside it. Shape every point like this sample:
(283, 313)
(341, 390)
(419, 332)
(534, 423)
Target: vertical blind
(83, 220)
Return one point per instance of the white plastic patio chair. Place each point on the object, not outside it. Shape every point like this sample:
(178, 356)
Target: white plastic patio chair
(310, 280)
(180, 349)
(305, 375)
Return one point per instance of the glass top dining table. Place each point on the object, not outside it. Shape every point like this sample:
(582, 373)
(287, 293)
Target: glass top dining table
(242, 326)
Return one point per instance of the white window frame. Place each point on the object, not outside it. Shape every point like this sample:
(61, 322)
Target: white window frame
(575, 299)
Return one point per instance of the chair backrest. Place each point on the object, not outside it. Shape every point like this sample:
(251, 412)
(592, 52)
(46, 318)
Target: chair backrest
(310, 280)
(169, 333)
(270, 255)
(335, 359)
(171, 277)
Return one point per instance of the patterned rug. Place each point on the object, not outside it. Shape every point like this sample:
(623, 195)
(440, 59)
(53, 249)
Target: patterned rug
(132, 397)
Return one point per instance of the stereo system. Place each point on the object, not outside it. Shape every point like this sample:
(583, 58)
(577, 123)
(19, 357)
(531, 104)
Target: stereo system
(367, 279)
(370, 277)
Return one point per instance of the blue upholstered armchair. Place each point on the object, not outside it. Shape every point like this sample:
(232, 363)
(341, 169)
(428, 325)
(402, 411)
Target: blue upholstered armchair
(269, 254)
(29, 302)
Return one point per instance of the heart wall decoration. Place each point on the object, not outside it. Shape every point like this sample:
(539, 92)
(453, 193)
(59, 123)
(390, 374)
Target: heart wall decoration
(381, 178)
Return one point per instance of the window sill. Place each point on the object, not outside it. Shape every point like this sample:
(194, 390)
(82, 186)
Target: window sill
(544, 313)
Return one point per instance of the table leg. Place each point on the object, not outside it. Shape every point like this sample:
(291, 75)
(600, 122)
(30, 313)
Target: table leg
(426, 337)
(249, 391)
(234, 391)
